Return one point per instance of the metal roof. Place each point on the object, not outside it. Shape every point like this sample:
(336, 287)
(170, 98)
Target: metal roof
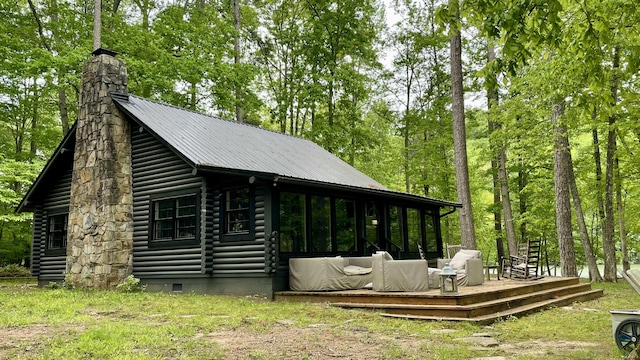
(213, 143)
(210, 143)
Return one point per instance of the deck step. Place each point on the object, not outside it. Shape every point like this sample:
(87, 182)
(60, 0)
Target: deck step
(517, 311)
(482, 304)
(516, 304)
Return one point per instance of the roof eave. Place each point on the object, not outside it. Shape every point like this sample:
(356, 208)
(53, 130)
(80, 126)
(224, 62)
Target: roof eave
(383, 192)
(370, 191)
(25, 205)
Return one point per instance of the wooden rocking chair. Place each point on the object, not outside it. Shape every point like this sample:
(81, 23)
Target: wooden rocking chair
(525, 265)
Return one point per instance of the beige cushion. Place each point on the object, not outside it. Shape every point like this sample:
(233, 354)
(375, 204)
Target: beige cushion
(356, 270)
(459, 260)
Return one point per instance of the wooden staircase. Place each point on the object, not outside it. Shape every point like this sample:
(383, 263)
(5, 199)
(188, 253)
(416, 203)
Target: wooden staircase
(482, 304)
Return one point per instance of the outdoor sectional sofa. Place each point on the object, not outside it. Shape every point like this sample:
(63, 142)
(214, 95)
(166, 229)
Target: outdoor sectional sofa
(380, 272)
(329, 273)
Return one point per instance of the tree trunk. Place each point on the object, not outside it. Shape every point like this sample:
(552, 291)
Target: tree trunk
(62, 107)
(236, 57)
(522, 183)
(34, 123)
(608, 242)
(459, 134)
(407, 109)
(62, 94)
(563, 203)
(506, 202)
(621, 222)
(594, 273)
(492, 101)
(598, 164)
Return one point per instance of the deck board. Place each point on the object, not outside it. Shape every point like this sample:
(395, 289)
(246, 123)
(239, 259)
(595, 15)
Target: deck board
(482, 304)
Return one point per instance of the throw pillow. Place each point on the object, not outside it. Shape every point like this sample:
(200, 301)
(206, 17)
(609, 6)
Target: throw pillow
(356, 270)
(459, 260)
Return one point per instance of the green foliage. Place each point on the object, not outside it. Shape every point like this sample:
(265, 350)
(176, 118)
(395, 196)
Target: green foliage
(14, 270)
(312, 69)
(67, 284)
(130, 284)
(52, 285)
(15, 228)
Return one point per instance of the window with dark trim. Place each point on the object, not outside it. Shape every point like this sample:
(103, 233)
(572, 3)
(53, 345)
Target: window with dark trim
(293, 222)
(311, 223)
(396, 227)
(175, 220)
(237, 214)
(414, 229)
(346, 234)
(430, 231)
(57, 232)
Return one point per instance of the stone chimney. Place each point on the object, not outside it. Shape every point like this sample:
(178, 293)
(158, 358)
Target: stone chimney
(100, 231)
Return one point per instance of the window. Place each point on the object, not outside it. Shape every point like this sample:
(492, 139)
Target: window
(317, 224)
(292, 222)
(371, 223)
(237, 211)
(175, 220)
(430, 232)
(57, 231)
(346, 235)
(320, 224)
(414, 229)
(396, 227)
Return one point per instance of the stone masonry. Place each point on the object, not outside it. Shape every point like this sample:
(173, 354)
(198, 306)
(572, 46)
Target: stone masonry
(100, 235)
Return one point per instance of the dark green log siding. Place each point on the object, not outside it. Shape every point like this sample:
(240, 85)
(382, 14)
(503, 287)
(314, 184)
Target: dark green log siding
(240, 257)
(52, 267)
(157, 170)
(211, 225)
(37, 245)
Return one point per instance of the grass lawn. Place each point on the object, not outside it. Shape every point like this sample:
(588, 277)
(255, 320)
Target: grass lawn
(75, 324)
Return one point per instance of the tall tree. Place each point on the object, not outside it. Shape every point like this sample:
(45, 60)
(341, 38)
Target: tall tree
(501, 196)
(236, 55)
(562, 175)
(467, 228)
(608, 242)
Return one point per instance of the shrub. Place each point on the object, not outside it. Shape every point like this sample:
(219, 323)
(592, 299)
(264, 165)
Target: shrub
(14, 270)
(53, 285)
(67, 283)
(131, 285)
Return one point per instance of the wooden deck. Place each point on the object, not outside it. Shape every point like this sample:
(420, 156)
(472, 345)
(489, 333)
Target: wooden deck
(483, 304)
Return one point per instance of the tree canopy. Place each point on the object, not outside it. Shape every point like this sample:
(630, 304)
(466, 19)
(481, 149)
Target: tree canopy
(370, 81)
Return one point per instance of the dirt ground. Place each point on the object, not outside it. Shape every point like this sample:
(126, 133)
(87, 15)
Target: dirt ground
(313, 342)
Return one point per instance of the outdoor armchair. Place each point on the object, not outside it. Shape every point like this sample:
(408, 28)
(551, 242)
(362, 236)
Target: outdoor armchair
(468, 265)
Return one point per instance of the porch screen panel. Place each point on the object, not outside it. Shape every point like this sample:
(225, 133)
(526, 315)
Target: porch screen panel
(292, 222)
(371, 223)
(320, 224)
(346, 225)
(395, 227)
(430, 232)
(414, 229)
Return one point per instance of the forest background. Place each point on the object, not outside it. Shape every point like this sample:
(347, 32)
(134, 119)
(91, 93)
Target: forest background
(549, 118)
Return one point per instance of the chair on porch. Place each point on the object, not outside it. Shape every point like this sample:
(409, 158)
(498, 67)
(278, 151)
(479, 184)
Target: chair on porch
(452, 250)
(632, 276)
(524, 265)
